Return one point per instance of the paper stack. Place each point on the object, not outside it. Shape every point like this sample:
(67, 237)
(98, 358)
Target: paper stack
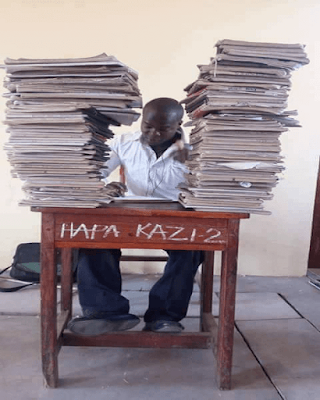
(58, 116)
(238, 111)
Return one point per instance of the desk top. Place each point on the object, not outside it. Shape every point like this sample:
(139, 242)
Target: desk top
(142, 209)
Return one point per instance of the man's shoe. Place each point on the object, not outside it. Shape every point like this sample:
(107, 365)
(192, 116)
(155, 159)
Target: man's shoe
(163, 326)
(90, 326)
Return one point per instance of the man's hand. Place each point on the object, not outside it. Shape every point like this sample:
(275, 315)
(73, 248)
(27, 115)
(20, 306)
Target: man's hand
(116, 189)
(182, 154)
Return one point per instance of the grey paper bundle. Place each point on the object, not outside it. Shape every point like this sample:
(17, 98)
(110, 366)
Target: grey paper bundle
(238, 110)
(59, 113)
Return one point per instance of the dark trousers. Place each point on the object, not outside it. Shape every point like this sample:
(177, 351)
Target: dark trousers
(99, 284)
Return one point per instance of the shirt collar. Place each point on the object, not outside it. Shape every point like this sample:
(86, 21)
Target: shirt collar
(174, 147)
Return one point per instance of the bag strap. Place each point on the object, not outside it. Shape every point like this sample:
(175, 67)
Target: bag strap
(11, 285)
(4, 270)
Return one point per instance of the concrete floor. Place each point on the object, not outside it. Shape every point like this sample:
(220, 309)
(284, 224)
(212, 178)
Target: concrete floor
(276, 350)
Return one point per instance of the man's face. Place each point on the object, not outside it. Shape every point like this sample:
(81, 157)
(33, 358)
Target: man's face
(158, 128)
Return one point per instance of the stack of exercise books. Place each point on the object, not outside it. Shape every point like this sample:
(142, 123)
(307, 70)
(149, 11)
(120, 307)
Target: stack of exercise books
(59, 113)
(238, 110)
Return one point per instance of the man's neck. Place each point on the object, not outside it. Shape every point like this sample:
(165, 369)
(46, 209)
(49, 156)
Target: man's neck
(161, 148)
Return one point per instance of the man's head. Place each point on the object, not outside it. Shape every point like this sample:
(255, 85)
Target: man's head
(161, 119)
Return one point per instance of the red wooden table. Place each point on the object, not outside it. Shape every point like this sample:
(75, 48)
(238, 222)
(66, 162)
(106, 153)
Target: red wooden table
(144, 226)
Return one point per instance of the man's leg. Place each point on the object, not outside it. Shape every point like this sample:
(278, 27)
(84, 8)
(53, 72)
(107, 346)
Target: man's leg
(99, 285)
(99, 282)
(169, 298)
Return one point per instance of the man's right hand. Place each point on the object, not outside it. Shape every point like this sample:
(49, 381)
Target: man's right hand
(116, 189)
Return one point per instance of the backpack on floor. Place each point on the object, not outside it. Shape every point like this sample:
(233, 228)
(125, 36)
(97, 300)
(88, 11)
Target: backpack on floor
(26, 265)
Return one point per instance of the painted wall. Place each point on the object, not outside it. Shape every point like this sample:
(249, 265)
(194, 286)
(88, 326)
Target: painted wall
(165, 41)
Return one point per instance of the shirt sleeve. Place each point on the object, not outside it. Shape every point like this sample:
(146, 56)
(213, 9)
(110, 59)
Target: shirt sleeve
(113, 162)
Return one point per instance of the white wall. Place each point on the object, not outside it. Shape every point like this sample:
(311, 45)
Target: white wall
(164, 41)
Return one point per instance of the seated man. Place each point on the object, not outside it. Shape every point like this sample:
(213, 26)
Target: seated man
(153, 164)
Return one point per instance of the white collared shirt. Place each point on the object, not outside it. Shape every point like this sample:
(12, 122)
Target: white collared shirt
(146, 175)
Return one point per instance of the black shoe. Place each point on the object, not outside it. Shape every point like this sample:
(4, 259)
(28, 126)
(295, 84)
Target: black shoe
(162, 326)
(90, 326)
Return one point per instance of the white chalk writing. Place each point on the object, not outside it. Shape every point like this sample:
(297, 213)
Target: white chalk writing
(173, 235)
(147, 231)
(214, 236)
(193, 235)
(88, 233)
(140, 229)
(157, 230)
(80, 228)
(113, 229)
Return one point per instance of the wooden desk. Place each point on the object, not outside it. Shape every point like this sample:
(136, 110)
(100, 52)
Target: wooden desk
(156, 226)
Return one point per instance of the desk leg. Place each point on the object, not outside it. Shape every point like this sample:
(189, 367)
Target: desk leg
(206, 289)
(66, 280)
(227, 307)
(49, 302)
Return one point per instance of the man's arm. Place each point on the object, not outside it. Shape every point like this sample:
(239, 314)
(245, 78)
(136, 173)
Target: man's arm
(110, 165)
(114, 189)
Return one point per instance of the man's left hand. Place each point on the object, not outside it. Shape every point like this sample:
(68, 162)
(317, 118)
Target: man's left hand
(182, 154)
(115, 189)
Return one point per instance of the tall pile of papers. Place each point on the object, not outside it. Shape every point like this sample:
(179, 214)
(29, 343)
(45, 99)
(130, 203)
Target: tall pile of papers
(59, 113)
(237, 108)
